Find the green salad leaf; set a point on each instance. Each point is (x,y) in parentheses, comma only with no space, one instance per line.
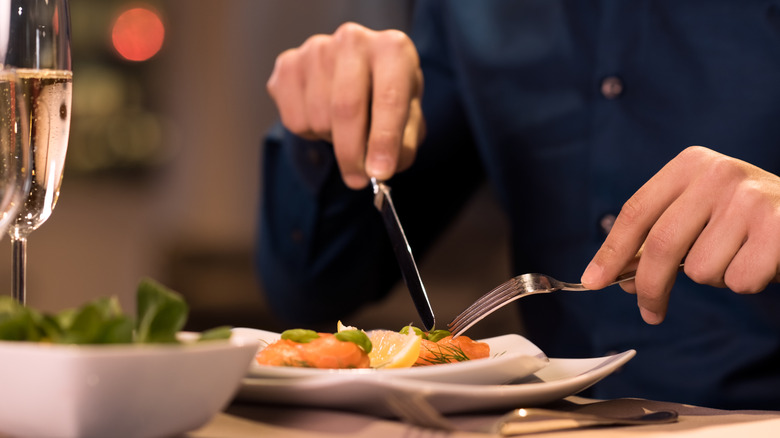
(160,314)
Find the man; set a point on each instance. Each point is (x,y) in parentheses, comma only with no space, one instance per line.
(568,109)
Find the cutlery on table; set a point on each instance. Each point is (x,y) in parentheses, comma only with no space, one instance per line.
(415,410)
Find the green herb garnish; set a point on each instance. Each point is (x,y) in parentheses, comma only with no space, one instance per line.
(436,335)
(433,335)
(301,336)
(358,337)
(446,354)
(417,331)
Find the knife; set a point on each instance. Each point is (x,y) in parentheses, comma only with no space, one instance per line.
(403,252)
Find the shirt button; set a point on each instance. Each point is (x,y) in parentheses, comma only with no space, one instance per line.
(296,235)
(606,223)
(611,87)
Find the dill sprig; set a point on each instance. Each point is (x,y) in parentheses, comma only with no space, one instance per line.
(445,354)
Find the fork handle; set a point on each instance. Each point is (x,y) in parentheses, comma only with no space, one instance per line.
(620,279)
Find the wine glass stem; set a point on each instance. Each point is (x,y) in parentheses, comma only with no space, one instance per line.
(19,248)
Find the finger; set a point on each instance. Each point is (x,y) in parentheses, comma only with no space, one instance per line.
(630,286)
(753,267)
(349,109)
(666,245)
(394,72)
(318,86)
(286,86)
(633,223)
(716,246)
(414,133)
(756,262)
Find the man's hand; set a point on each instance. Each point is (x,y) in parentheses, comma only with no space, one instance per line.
(718,214)
(359,89)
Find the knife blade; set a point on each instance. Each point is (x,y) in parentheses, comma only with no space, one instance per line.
(403,252)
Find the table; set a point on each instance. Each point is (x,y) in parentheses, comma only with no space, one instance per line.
(243,419)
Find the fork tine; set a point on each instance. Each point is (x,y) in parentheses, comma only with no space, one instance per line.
(476,317)
(499,293)
(488,303)
(508,287)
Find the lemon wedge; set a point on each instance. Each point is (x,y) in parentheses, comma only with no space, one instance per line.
(392,349)
(341,327)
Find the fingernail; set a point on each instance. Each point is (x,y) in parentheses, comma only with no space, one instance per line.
(650,317)
(592,274)
(380,167)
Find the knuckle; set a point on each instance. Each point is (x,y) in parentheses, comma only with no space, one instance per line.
(351,33)
(693,151)
(346,106)
(724,169)
(385,139)
(702,273)
(608,250)
(742,286)
(283,68)
(632,211)
(388,97)
(661,242)
(317,49)
(650,296)
(395,41)
(742,282)
(696,154)
(751,196)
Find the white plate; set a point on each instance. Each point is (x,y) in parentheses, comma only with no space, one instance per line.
(559,379)
(511,357)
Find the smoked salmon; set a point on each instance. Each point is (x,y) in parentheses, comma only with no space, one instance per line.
(326,351)
(448,350)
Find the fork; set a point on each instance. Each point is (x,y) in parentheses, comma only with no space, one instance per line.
(514,289)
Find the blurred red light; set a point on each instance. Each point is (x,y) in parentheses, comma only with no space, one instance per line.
(138,34)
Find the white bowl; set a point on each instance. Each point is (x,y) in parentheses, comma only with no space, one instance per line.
(117,390)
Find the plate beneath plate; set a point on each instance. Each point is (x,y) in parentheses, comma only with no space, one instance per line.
(511,357)
(367,393)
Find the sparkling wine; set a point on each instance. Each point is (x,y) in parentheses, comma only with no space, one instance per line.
(13,166)
(49,95)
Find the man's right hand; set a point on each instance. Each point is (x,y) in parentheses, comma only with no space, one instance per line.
(358,89)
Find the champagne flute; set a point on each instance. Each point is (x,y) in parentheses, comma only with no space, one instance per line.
(38,48)
(14,150)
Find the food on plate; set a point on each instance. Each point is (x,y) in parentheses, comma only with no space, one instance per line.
(448,350)
(353,348)
(160,315)
(393,349)
(314,350)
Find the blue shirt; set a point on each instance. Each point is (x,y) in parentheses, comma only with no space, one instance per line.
(566,108)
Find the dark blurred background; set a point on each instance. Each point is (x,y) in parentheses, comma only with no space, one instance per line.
(162,176)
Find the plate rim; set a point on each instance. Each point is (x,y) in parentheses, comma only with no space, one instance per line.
(447,397)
